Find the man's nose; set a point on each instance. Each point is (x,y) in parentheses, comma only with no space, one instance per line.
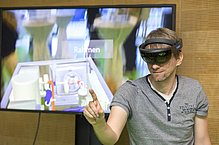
(155,66)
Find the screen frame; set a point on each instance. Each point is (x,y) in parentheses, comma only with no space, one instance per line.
(173,6)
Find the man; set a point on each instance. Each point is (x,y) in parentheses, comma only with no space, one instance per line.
(162,108)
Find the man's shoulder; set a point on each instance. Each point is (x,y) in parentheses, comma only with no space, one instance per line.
(137,82)
(190,82)
(184,78)
(131,85)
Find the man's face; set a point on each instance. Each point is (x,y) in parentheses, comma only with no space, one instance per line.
(161,72)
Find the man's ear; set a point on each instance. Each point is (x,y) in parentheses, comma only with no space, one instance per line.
(179,59)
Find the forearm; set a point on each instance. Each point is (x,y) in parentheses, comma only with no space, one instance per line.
(105,134)
(201,131)
(203,142)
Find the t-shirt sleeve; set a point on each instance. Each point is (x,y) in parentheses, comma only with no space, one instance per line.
(123,96)
(202,103)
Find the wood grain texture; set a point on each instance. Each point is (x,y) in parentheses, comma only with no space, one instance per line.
(200,32)
(19,128)
(197,23)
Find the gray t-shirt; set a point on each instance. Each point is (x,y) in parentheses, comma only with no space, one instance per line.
(154,121)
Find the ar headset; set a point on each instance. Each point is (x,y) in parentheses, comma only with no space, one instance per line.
(159,55)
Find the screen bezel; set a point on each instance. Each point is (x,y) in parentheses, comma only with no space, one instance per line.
(173,6)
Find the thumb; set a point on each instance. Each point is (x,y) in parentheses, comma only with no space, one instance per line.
(101,113)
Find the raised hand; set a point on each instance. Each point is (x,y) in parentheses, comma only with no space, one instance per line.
(93,111)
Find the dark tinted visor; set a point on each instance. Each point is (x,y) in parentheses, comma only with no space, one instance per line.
(159,55)
(157,58)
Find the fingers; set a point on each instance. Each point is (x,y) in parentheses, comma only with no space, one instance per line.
(88,113)
(93,110)
(95,99)
(93,118)
(93,94)
(93,114)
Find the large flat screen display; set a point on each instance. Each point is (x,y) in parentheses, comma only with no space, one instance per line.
(62,52)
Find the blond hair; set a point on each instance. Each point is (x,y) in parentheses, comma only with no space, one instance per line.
(166,34)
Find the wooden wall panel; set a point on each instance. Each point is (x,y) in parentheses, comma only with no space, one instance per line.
(25,3)
(199,15)
(200,32)
(197,22)
(56,129)
(19,128)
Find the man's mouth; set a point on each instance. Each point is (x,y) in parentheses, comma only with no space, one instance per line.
(157,72)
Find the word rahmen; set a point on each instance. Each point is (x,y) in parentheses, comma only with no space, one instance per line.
(87,50)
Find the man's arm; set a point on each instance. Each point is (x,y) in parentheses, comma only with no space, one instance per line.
(107,132)
(201,131)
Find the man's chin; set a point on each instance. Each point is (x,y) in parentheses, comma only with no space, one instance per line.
(158,78)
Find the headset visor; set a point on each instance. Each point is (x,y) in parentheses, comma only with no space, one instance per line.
(159,55)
